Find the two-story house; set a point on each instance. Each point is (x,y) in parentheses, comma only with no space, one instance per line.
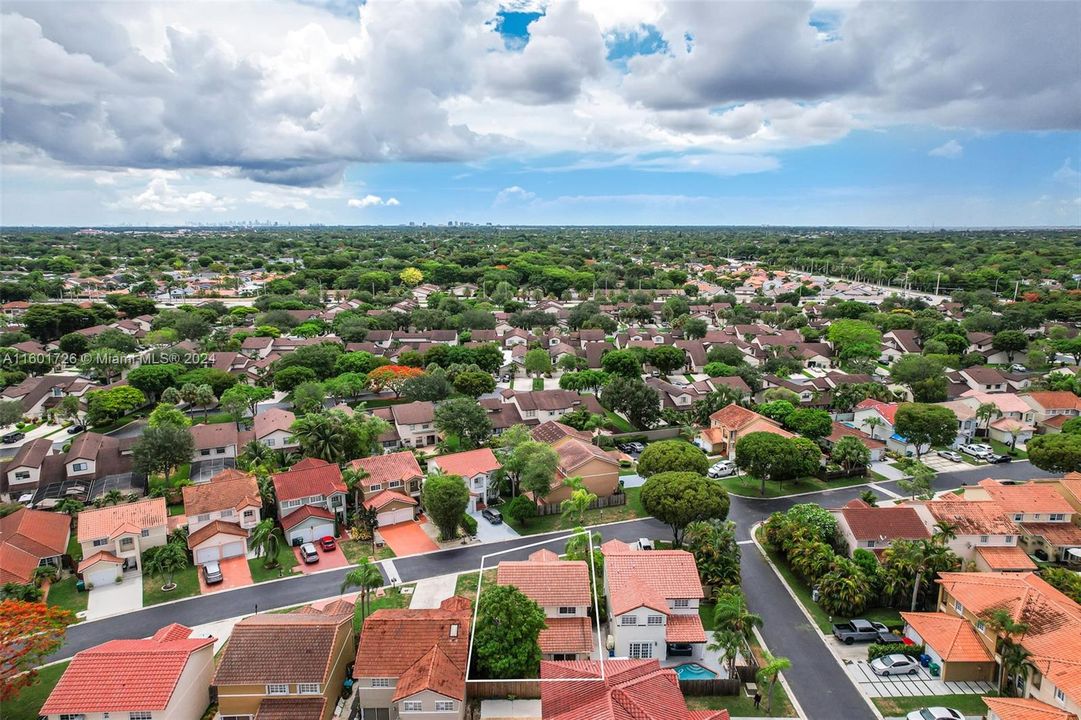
(218,441)
(30,539)
(984,379)
(91,456)
(1046,517)
(477,469)
(221,515)
(537,406)
(876,528)
(1015,420)
(412,663)
(271,427)
(562,589)
(114,537)
(413,425)
(392,485)
(38,394)
(897,343)
(164,677)
(1053,408)
(311,500)
(286,665)
(984,534)
(729,424)
(653,599)
(576,458)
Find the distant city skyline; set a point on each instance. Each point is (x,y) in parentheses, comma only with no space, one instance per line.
(830,113)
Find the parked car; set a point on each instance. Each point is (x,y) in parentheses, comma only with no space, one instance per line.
(645,544)
(308,553)
(12,437)
(327,543)
(492,515)
(76,429)
(722,468)
(637,446)
(859,630)
(895,664)
(950,455)
(212,573)
(625,447)
(1018,368)
(935,713)
(978,451)
(999,459)
(680,649)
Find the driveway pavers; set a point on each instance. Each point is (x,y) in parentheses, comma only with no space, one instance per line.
(235,573)
(328,560)
(407,538)
(920,684)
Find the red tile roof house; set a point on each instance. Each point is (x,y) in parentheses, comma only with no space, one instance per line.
(221,515)
(29,539)
(165,676)
(986,535)
(638,689)
(476,468)
(729,424)
(1045,516)
(392,486)
(653,599)
(561,588)
(311,500)
(413,662)
(114,538)
(271,427)
(875,528)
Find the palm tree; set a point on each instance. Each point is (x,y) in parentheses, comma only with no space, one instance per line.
(1015,663)
(367,577)
(769,673)
(113,497)
(189,393)
(731,614)
(267,539)
(172,396)
(354,477)
(70,507)
(581,498)
(729,644)
(944,532)
(873,422)
(367,518)
(255,453)
(266,490)
(320,436)
(987,412)
(204,398)
(1003,624)
(43,573)
(170,559)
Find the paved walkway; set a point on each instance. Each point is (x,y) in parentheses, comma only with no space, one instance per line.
(429,592)
(887,471)
(632,481)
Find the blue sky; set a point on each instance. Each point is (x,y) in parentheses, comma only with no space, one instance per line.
(644,112)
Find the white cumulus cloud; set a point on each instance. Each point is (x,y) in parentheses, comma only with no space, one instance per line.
(951,149)
(372,201)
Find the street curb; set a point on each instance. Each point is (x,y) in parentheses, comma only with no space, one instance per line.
(809,492)
(784,682)
(810,619)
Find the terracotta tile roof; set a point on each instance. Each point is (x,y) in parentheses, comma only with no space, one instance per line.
(304,512)
(382,469)
(223,492)
(631,689)
(732,417)
(1031,497)
(100,556)
(385,497)
(280,648)
(209,530)
(1056,533)
(613,546)
(1054,400)
(551,431)
(272,420)
(650,578)
(575,453)
(27,536)
(550,583)
(125,675)
(884,523)
(567,635)
(886,410)
(309,477)
(973,517)
(104,522)
(434,671)
(952,637)
(1008,557)
(469,463)
(291,708)
(1007,708)
(684,629)
(840,430)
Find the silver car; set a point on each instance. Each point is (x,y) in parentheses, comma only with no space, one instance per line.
(212,573)
(950,455)
(895,664)
(935,713)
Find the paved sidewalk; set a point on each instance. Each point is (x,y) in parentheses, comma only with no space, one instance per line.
(885,470)
(429,592)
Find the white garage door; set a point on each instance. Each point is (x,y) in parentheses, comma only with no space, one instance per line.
(395,516)
(100,575)
(310,534)
(207,554)
(233,549)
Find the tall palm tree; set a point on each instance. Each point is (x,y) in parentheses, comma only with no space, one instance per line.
(1015,662)
(354,477)
(171,396)
(267,539)
(189,394)
(731,614)
(70,507)
(367,577)
(204,398)
(113,497)
(581,498)
(987,412)
(729,644)
(944,532)
(170,559)
(255,453)
(873,423)
(320,436)
(769,673)
(1006,628)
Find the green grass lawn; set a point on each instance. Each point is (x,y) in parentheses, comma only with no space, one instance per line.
(357,550)
(286,562)
(466,586)
(175,510)
(900,706)
(218,418)
(187,585)
(393,599)
(179,475)
(618,423)
(538,383)
(628,471)
(887,616)
(63,594)
(382,403)
(752,486)
(549,523)
(28,702)
(743,706)
(705,612)
(75,550)
(1004,449)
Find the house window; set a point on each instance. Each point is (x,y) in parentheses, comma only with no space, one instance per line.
(309,688)
(395,483)
(564,610)
(640,651)
(412,706)
(628,620)
(1018,517)
(127,543)
(1036,516)
(1056,517)
(100,542)
(270,442)
(655,620)
(205,453)
(958,607)
(78,467)
(277,689)
(444,706)
(983,539)
(681,603)
(376,488)
(144,533)
(219,451)
(980,626)
(380,682)
(236,717)
(249,514)
(204,517)
(226,513)
(870,543)
(73,717)
(1060,696)
(141,715)
(1009,539)
(22,475)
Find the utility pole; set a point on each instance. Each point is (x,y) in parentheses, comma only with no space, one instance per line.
(937,278)
(1016,287)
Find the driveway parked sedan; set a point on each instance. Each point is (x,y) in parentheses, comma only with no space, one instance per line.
(308,553)
(950,455)
(327,543)
(935,713)
(896,664)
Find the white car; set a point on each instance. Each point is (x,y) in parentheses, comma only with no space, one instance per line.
(935,713)
(722,468)
(895,664)
(979,451)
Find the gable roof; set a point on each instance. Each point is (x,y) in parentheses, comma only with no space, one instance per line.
(548,582)
(233,492)
(733,417)
(1030,497)
(214,528)
(575,453)
(649,579)
(469,463)
(887,410)
(952,637)
(272,420)
(1009,708)
(884,523)
(280,648)
(304,512)
(117,519)
(125,675)
(385,497)
(294,708)
(27,536)
(382,469)
(308,477)
(551,430)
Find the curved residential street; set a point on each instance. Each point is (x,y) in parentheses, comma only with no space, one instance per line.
(821,686)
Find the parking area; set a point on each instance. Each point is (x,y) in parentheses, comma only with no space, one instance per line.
(235,572)
(328,560)
(941,464)
(408,538)
(919,684)
(116,599)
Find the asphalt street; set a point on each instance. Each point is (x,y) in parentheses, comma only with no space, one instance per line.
(821,686)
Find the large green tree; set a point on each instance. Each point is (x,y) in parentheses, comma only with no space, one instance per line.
(681,498)
(925,425)
(672,456)
(445,498)
(505,637)
(1059,453)
(162,449)
(637,401)
(465,419)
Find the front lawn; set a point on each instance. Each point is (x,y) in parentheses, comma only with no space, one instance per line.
(187,585)
(27,704)
(393,599)
(743,706)
(63,594)
(175,510)
(752,486)
(1004,449)
(286,562)
(357,550)
(900,706)
(538,384)
(466,585)
(617,423)
(628,511)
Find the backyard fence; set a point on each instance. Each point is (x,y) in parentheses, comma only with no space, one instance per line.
(713,686)
(601,502)
(502,689)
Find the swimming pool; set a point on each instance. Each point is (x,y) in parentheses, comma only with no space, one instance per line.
(694,671)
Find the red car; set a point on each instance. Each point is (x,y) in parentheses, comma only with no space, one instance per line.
(327,543)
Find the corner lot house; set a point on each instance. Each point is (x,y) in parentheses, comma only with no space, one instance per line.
(113,538)
(221,515)
(476,468)
(411,663)
(875,528)
(286,665)
(30,539)
(561,588)
(166,676)
(729,424)
(311,500)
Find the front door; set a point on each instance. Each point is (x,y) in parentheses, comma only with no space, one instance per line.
(640,651)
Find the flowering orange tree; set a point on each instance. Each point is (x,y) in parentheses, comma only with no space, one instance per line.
(29,632)
(392,377)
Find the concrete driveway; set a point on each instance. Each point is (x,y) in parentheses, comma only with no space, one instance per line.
(941,464)
(429,592)
(487,532)
(116,599)
(632,481)
(407,538)
(235,572)
(920,684)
